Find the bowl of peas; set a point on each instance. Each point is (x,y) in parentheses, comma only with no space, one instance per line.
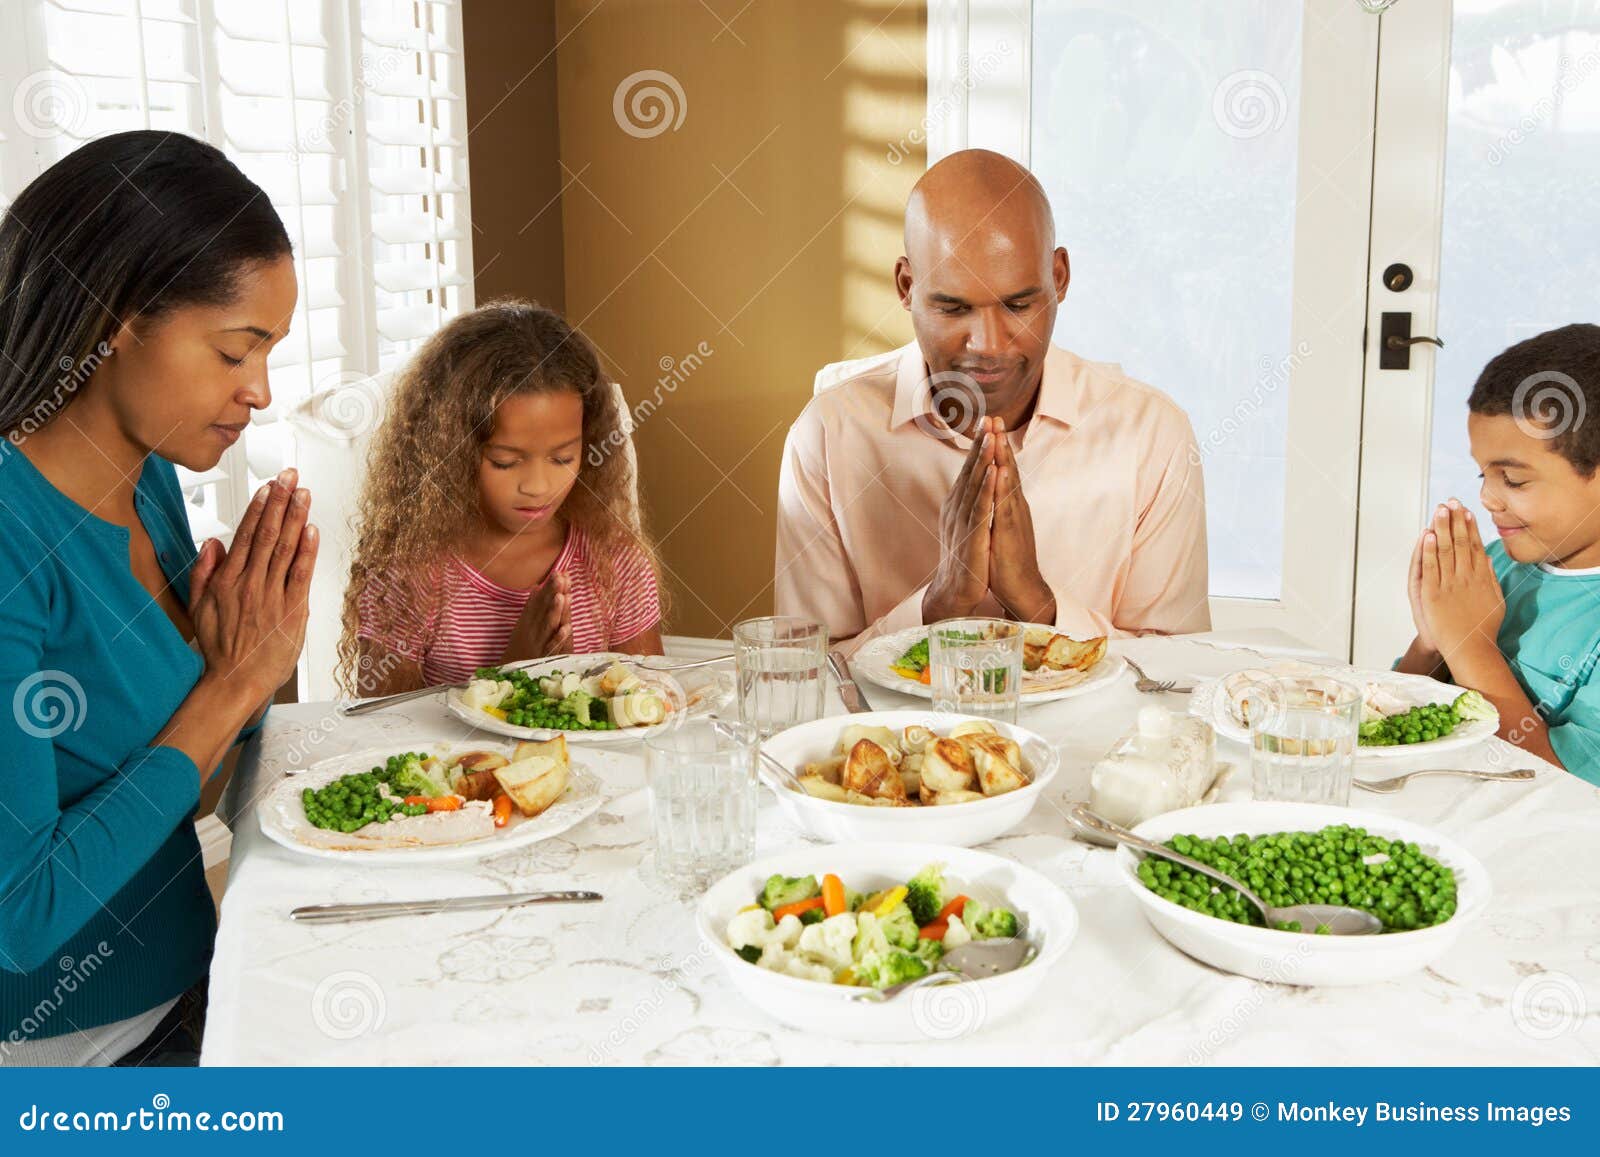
(1422,886)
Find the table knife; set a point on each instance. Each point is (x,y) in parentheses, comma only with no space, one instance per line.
(854,701)
(337,913)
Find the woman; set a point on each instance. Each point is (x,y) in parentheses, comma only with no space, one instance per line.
(143,280)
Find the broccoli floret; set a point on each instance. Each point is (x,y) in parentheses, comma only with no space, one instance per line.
(930,951)
(1472,706)
(813,916)
(925,893)
(899,928)
(915,657)
(750,952)
(987,923)
(577,705)
(406,776)
(881,969)
(781,890)
(852,899)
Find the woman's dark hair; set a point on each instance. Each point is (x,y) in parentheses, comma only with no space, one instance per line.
(129,226)
(1550,384)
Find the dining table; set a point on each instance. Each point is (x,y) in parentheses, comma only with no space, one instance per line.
(628,980)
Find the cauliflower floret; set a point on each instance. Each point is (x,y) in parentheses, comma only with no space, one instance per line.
(752,927)
(829,942)
(787,933)
(956,934)
(481,693)
(776,958)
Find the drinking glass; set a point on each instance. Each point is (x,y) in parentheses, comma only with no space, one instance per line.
(702,802)
(1303,735)
(975,667)
(780,664)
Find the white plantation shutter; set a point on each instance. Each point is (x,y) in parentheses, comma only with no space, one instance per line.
(351,114)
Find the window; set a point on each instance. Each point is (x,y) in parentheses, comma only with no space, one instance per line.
(351,116)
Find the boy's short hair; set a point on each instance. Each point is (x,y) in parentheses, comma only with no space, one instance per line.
(1549,384)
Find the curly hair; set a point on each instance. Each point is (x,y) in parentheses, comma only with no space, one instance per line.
(422,468)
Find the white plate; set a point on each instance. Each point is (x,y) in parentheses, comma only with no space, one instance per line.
(664,682)
(282,816)
(961,824)
(1046,915)
(1210,703)
(875,663)
(1294,957)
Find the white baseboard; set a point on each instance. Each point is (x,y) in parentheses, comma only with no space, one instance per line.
(215,840)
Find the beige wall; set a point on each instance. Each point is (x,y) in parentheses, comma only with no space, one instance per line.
(764,226)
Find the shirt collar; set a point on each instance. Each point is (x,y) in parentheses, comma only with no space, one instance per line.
(913,400)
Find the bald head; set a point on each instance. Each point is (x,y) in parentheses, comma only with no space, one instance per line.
(976,193)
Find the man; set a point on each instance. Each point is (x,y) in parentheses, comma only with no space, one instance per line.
(981,470)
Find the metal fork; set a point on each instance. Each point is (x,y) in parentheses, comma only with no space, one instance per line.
(1522,774)
(1154,686)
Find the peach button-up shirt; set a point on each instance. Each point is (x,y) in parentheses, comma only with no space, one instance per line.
(1109,467)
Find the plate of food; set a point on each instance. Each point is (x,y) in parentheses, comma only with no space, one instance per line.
(809,935)
(429,801)
(1422,886)
(902,776)
(1053,665)
(1401,715)
(541,699)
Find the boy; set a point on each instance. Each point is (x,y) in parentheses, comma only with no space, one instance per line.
(1520,621)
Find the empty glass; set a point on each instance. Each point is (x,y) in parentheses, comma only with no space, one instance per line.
(780,669)
(975,667)
(1303,734)
(702,802)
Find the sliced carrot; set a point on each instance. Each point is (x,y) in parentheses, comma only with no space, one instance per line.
(926,677)
(934,931)
(435,803)
(796,908)
(833,901)
(951,909)
(502,809)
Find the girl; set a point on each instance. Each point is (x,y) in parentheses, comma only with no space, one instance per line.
(143,280)
(498,519)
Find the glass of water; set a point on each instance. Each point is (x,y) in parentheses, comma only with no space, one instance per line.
(702,802)
(1303,735)
(975,667)
(780,671)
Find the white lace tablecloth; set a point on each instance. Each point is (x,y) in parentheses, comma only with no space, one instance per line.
(627,981)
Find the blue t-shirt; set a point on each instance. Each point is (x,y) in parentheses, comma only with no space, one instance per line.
(1551,638)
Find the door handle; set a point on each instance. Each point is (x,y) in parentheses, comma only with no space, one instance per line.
(1394,334)
(1395,342)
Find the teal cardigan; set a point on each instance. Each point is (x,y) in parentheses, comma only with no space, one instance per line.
(104,910)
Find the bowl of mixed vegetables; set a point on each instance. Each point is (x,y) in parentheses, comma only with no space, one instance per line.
(807,934)
(1423,887)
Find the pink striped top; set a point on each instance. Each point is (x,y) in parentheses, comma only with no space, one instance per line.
(472,622)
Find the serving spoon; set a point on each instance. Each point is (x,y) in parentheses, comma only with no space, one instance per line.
(1338,920)
(978,960)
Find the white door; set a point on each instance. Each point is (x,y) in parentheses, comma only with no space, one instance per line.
(1210,166)
(1487,164)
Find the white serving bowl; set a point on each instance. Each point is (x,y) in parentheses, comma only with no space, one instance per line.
(961,824)
(1303,958)
(1046,915)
